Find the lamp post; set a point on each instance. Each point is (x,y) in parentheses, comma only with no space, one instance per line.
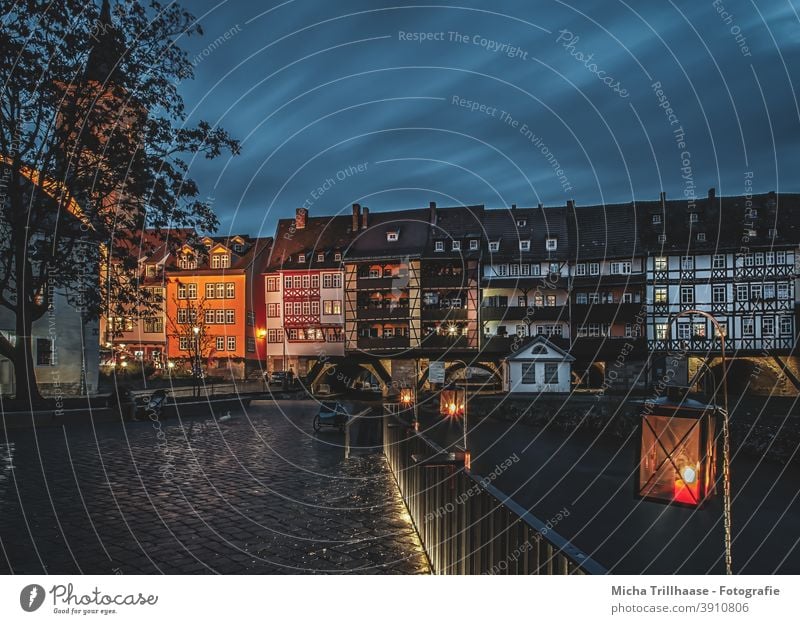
(449,406)
(196,331)
(726,445)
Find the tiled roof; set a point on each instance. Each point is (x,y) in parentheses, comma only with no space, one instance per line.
(326,235)
(609,231)
(512,226)
(412,235)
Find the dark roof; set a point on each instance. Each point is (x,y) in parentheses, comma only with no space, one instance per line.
(326,235)
(412,227)
(461,223)
(510,227)
(609,231)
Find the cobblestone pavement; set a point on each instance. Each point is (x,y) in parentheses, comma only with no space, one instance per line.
(254,493)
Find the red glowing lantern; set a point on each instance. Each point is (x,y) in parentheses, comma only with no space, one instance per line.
(452,403)
(677,461)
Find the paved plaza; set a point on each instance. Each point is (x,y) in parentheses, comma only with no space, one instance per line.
(254,492)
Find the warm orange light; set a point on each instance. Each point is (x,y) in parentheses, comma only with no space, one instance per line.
(467,460)
(262,333)
(406,396)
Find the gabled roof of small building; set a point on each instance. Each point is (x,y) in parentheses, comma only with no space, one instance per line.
(524,354)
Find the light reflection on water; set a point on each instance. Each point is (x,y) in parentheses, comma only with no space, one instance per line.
(6,465)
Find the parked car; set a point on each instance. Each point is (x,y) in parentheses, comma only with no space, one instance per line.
(331,414)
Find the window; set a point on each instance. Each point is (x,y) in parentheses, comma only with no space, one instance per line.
(153,325)
(273,310)
(554,268)
(780,257)
(699,329)
(513,270)
(529,372)
(306,308)
(551,372)
(274,335)
(580,269)
(783,290)
(208,316)
(594,268)
(627,297)
(231,343)
(786,325)
(748,260)
(183,343)
(701,237)
(332,306)
(315,308)
(219,316)
(687,294)
(756,292)
(44,352)
(456,245)
(522,222)
(337,257)
(620,268)
(742,292)
(494,245)
(767,326)
(392,236)
(238,248)
(722,330)
(551,244)
(693,217)
(473,244)
(251,318)
(759,259)
(769,258)
(656,219)
(718,261)
(181,291)
(687,263)
(251,344)
(594,297)
(297,281)
(191,291)
(769,291)
(660,263)
(220,261)
(718,294)
(301,258)
(439,245)
(315,281)
(187,261)
(551,300)
(660,294)
(661,331)
(581,299)
(662,238)
(220,343)
(320,257)
(684,330)
(306,281)
(220,290)
(331,280)
(287,282)
(183,316)
(230,317)
(748,326)
(230,290)
(524,245)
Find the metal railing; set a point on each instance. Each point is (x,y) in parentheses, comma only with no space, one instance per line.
(466,525)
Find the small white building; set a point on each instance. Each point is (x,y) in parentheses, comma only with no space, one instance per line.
(539,366)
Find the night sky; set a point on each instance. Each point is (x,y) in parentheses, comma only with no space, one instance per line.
(340,102)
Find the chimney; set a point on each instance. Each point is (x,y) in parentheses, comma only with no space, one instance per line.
(364,218)
(712,192)
(570,204)
(540,204)
(513,206)
(356,217)
(300,217)
(432,208)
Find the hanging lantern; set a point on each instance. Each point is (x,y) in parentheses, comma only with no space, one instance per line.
(406,396)
(451,403)
(677,459)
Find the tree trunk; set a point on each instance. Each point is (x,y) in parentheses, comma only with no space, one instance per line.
(24,372)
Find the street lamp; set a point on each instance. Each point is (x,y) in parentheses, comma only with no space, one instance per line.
(196,331)
(453,403)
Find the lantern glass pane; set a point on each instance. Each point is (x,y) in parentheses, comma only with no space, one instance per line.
(671,461)
(451,403)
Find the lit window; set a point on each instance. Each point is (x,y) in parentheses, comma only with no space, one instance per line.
(231,343)
(661,263)
(661,331)
(661,294)
(220,343)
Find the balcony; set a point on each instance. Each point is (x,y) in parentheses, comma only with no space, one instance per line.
(585,281)
(436,341)
(381,344)
(395,282)
(605,311)
(443,314)
(378,313)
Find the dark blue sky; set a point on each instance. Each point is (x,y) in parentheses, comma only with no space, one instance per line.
(315,89)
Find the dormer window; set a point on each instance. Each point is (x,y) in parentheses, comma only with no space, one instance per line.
(392,236)
(701,237)
(494,245)
(656,219)
(320,257)
(473,244)
(337,257)
(772,233)
(752,213)
(439,246)
(693,217)
(301,258)
(187,261)
(662,238)
(524,245)
(456,245)
(551,244)
(220,261)
(150,270)
(522,222)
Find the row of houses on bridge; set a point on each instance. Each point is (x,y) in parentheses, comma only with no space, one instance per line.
(372,297)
